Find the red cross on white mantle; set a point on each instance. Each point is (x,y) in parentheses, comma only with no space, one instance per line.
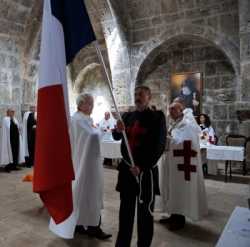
(187,154)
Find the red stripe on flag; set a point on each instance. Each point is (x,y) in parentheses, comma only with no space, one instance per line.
(53,171)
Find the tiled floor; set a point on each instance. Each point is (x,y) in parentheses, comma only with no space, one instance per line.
(23,223)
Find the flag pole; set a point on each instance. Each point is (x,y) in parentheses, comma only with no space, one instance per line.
(100,56)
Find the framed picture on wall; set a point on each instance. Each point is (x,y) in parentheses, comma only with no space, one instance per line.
(188,87)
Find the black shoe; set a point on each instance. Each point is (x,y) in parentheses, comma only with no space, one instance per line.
(98,233)
(108,164)
(16,168)
(7,169)
(174,226)
(165,220)
(177,222)
(81,230)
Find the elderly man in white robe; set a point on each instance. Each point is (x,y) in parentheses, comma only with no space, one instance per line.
(88,184)
(12,152)
(106,125)
(182,183)
(188,114)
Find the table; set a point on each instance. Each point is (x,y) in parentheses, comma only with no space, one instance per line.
(237,229)
(111,149)
(223,153)
(215,152)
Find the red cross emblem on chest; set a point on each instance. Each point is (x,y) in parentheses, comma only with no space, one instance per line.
(135,133)
(187,153)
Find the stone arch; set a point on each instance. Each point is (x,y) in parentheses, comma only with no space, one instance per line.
(91,80)
(30,55)
(190,31)
(90,74)
(32,32)
(219,100)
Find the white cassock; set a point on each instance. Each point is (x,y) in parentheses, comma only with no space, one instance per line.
(106,126)
(25,136)
(6,152)
(183,192)
(88,184)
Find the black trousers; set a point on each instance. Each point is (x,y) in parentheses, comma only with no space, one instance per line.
(14,143)
(31,146)
(145,221)
(15,152)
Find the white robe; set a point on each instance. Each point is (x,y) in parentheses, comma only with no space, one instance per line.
(180,196)
(106,127)
(88,184)
(209,134)
(6,152)
(25,137)
(189,116)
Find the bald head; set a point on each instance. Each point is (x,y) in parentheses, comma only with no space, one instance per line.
(181,101)
(10,112)
(176,110)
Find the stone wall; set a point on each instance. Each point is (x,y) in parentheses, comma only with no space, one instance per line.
(244,88)
(133,36)
(13,21)
(115,26)
(245,49)
(10,79)
(30,76)
(219,80)
(171,21)
(149,18)
(31,55)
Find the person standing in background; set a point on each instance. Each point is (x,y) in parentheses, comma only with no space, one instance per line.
(12,152)
(29,132)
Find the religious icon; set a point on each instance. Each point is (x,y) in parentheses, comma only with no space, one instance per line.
(188,87)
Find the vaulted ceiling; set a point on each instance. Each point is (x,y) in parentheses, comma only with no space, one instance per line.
(21,19)
(14,16)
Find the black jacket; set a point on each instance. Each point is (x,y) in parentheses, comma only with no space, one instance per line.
(31,131)
(146,132)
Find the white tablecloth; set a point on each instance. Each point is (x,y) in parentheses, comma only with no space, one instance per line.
(215,153)
(225,153)
(111,149)
(237,230)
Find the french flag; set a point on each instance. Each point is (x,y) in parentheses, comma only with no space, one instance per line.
(66,29)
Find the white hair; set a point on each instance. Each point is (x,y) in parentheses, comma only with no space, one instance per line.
(83,98)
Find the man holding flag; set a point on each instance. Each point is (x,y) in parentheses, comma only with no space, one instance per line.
(146,131)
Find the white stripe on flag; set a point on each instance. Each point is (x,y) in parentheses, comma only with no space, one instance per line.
(52,69)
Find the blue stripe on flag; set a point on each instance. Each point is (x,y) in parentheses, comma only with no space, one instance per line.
(77,27)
